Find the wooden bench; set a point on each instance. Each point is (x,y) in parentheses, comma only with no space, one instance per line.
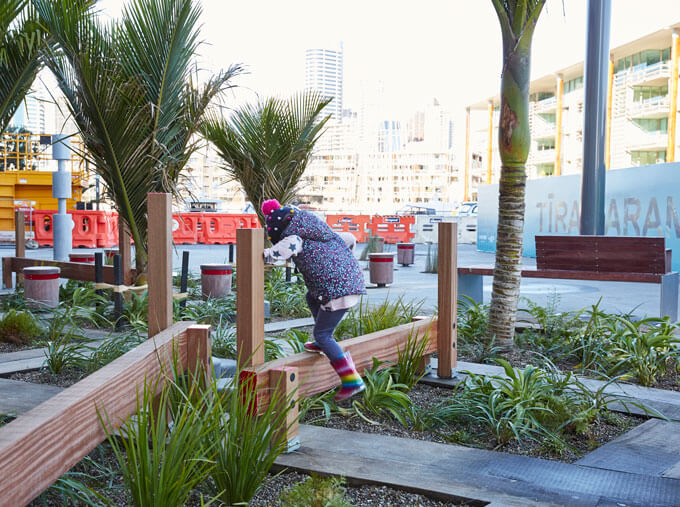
(600,258)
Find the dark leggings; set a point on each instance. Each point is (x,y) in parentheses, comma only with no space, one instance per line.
(324,325)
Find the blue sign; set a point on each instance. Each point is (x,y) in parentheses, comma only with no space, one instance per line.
(639,201)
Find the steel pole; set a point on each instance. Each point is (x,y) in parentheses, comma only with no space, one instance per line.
(61,190)
(595,117)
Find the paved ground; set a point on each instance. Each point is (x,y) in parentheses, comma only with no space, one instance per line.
(412,283)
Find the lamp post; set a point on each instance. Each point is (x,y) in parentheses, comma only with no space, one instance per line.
(61,190)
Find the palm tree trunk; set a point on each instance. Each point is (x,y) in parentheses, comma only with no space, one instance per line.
(514,141)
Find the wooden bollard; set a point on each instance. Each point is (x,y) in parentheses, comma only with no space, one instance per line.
(381,268)
(83,257)
(215,280)
(41,286)
(405,253)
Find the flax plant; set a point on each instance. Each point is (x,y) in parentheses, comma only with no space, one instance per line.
(131,90)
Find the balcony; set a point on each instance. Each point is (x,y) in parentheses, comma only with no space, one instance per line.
(546,105)
(655,107)
(537,156)
(647,141)
(650,75)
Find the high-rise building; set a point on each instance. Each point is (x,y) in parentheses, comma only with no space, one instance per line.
(30,115)
(641,114)
(323,74)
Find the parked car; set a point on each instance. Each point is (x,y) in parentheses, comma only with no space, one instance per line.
(467,209)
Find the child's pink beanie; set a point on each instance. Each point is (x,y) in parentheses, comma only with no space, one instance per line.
(269,206)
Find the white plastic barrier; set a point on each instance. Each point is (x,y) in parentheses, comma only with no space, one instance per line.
(467,230)
(426,227)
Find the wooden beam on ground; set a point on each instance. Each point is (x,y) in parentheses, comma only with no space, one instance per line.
(44,443)
(19,239)
(125,251)
(250,297)
(315,372)
(160,262)
(447,299)
(285,381)
(70,270)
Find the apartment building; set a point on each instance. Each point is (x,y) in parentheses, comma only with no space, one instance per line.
(639,110)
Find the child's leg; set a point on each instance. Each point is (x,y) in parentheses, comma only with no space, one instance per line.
(313,305)
(326,322)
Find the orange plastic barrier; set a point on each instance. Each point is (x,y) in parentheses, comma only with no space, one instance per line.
(185,228)
(106,234)
(43,227)
(356,224)
(220,228)
(84,231)
(394,228)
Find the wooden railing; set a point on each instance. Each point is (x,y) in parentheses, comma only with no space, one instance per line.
(41,445)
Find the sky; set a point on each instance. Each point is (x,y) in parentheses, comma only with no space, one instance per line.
(444,49)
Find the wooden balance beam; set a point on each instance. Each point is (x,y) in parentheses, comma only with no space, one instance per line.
(307,373)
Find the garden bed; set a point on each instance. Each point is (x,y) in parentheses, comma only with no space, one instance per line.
(425,397)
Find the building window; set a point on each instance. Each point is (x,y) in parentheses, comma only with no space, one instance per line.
(647,157)
(645,93)
(652,125)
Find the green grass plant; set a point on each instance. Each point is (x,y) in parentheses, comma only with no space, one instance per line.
(19,327)
(364,319)
(286,299)
(211,311)
(432,259)
(224,339)
(370,247)
(316,491)
(248,442)
(383,396)
(296,338)
(110,349)
(164,451)
(408,369)
(528,403)
(63,354)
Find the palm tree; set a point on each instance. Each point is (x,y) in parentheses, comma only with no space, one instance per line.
(20,42)
(266,147)
(131,92)
(518,20)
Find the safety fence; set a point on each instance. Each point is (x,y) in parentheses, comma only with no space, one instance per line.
(393,228)
(99,229)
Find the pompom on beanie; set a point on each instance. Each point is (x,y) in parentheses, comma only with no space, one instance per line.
(277,219)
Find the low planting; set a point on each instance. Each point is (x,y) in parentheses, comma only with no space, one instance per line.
(286,299)
(19,328)
(589,342)
(316,491)
(364,318)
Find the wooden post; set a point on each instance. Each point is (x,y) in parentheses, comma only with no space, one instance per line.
(117,296)
(447,298)
(250,297)
(159,207)
(184,280)
(125,250)
(19,239)
(199,354)
(285,381)
(7,272)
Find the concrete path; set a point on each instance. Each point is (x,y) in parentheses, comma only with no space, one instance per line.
(457,472)
(17,397)
(285,325)
(411,283)
(666,403)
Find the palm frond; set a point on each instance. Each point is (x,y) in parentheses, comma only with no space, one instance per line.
(20,42)
(266,146)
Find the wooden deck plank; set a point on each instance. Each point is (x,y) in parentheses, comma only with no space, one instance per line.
(453,471)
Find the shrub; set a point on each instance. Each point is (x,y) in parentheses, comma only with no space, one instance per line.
(63,353)
(110,349)
(363,319)
(409,368)
(316,491)
(211,311)
(432,260)
(473,319)
(371,247)
(19,328)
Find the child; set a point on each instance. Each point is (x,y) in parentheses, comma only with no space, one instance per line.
(333,277)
